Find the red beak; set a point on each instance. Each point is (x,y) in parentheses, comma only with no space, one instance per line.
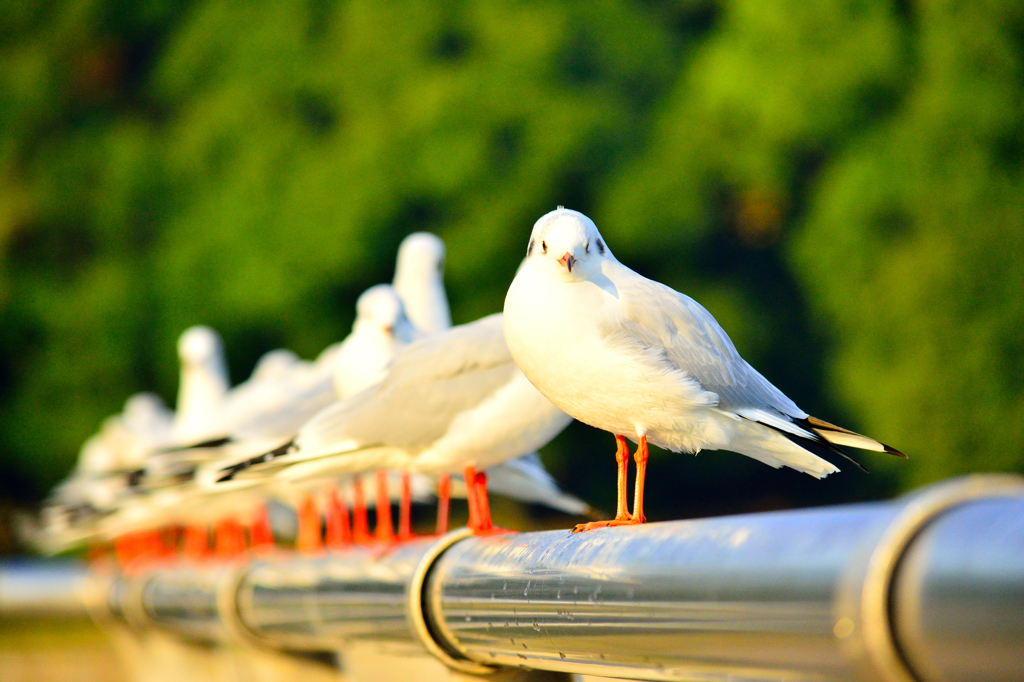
(567,260)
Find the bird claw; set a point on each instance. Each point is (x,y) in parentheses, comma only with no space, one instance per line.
(594,525)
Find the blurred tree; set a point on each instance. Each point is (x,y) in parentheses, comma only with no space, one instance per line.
(911,251)
(838,182)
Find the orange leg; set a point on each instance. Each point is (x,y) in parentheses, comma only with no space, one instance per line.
(640,456)
(229,540)
(309,541)
(483,503)
(261,536)
(360,526)
(168,542)
(469,474)
(405,509)
(385,531)
(444,496)
(149,545)
(123,548)
(622,515)
(196,544)
(339,534)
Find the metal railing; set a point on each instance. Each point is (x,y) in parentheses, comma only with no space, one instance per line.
(922,588)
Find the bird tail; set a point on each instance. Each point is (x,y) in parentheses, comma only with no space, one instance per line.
(802,432)
(837,435)
(777,448)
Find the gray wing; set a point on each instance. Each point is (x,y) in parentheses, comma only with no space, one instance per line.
(526,479)
(659,317)
(429,384)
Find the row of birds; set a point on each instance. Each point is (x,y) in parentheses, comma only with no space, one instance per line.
(415,402)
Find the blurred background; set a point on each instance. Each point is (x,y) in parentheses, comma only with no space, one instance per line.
(838,182)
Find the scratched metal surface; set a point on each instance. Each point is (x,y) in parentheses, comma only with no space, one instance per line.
(350,595)
(738,598)
(960,595)
(185,600)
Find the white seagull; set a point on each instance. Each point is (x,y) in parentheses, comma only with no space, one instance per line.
(453,401)
(634,357)
(419,281)
(380,330)
(203,386)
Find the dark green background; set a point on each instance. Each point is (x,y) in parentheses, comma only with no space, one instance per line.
(840,183)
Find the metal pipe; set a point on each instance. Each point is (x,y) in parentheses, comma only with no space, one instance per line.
(186,601)
(861,592)
(32,588)
(321,603)
(959,595)
(784,596)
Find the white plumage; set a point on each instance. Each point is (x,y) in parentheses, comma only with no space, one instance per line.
(452,399)
(203,386)
(629,355)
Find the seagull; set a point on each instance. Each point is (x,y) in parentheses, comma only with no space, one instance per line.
(419,281)
(634,357)
(106,473)
(381,330)
(454,400)
(203,386)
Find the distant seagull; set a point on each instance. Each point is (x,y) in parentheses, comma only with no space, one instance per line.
(419,281)
(105,475)
(203,386)
(453,401)
(631,356)
(381,329)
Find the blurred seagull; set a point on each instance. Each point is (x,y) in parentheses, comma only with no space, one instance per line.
(419,281)
(452,401)
(631,356)
(380,330)
(105,475)
(203,386)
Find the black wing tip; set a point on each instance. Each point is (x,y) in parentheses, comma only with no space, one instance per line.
(810,423)
(202,445)
(816,440)
(228,473)
(894,451)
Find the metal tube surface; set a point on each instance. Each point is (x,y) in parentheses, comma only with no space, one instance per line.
(783,596)
(924,588)
(959,595)
(185,600)
(33,588)
(321,603)
(740,598)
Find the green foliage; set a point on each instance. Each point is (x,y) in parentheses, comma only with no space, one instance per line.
(839,182)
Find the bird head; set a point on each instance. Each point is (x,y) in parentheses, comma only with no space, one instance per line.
(567,245)
(420,255)
(199,345)
(380,308)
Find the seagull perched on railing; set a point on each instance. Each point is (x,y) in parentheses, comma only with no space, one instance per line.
(453,401)
(631,356)
(419,281)
(203,386)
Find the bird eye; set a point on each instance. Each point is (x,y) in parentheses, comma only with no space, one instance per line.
(544,247)
(600,246)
